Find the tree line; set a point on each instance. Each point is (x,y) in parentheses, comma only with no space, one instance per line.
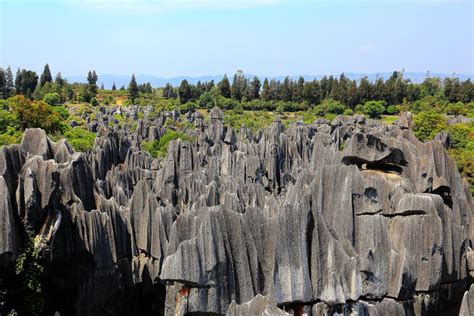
(395,90)
(29,84)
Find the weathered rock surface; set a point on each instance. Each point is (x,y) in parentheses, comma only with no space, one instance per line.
(342,217)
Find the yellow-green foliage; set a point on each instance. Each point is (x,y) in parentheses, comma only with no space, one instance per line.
(80,139)
(389,119)
(428,124)
(160,148)
(462,143)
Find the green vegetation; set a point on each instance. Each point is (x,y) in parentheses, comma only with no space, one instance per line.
(374,109)
(80,139)
(22,284)
(462,149)
(40,101)
(428,124)
(159,148)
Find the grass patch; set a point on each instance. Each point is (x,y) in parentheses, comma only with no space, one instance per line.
(389,119)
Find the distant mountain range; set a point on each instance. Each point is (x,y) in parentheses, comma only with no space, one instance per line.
(155,81)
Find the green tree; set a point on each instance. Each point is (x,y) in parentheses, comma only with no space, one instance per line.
(286,91)
(265,95)
(428,124)
(3,83)
(224,87)
(9,83)
(113,86)
(59,80)
(312,92)
(255,88)
(365,90)
(374,109)
(26,82)
(184,92)
(52,98)
(35,114)
(133,89)
(46,76)
(237,87)
(333,107)
(92,83)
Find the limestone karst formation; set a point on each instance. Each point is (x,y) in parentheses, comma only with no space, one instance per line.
(341,217)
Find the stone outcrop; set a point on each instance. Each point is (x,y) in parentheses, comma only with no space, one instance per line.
(341,217)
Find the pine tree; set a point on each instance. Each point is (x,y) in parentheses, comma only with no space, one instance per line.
(113,86)
(59,80)
(365,90)
(45,76)
(224,87)
(255,88)
(3,84)
(9,85)
(133,89)
(286,93)
(92,83)
(102,86)
(298,93)
(184,92)
(265,95)
(238,86)
(18,80)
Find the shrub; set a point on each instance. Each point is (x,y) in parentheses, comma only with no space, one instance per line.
(374,109)
(359,109)
(393,109)
(159,148)
(189,106)
(80,139)
(94,102)
(11,136)
(333,107)
(52,98)
(428,124)
(458,108)
(348,112)
(460,135)
(62,111)
(35,114)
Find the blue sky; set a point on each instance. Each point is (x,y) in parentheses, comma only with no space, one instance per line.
(265,37)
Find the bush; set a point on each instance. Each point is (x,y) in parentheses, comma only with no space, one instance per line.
(189,106)
(428,124)
(333,107)
(62,111)
(35,114)
(52,98)
(348,112)
(374,109)
(456,109)
(94,102)
(359,109)
(393,109)
(80,139)
(460,135)
(10,136)
(159,148)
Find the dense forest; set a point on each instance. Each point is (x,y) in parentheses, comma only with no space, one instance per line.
(32,100)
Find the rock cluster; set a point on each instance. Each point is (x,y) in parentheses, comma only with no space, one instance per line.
(341,217)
